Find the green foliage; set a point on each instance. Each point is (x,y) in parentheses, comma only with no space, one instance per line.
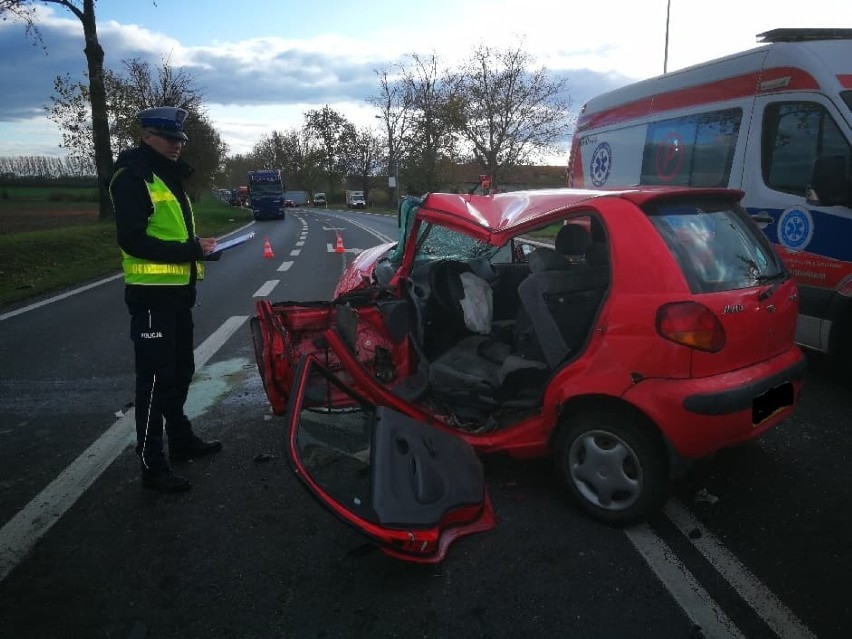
(46,261)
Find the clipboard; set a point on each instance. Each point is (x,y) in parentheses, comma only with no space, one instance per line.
(229,244)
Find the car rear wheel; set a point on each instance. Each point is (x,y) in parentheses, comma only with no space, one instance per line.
(612,466)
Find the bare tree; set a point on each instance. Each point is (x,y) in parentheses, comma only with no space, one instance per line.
(84,10)
(397,113)
(506,113)
(363,158)
(332,131)
(431,144)
(295,153)
(137,88)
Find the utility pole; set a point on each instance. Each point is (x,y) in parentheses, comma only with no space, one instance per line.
(666,56)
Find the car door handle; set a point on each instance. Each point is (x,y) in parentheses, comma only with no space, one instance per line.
(762,218)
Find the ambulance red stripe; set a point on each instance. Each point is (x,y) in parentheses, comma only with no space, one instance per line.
(777,79)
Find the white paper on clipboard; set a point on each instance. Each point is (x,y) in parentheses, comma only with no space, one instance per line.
(235,241)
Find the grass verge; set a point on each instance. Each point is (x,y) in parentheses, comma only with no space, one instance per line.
(35,263)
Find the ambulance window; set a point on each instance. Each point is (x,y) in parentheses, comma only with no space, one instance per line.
(695,150)
(847,98)
(794,135)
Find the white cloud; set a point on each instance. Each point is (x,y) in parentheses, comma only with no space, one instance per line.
(269,79)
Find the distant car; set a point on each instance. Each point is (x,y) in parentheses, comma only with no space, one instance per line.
(289,204)
(319,199)
(658,329)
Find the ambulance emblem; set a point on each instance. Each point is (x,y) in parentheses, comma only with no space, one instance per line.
(795,229)
(601,164)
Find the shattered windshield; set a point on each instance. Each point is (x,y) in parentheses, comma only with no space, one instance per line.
(439,242)
(435,241)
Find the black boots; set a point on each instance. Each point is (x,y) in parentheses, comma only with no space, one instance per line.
(158,476)
(195,447)
(164,480)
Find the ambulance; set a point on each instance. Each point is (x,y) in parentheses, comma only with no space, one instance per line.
(774,121)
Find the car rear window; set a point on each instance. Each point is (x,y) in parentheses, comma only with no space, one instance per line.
(716,245)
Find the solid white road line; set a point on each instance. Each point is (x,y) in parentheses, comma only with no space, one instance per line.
(56,298)
(381,236)
(86,287)
(266,289)
(22,532)
(767,606)
(690,596)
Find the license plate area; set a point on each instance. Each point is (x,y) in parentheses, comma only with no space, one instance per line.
(771,402)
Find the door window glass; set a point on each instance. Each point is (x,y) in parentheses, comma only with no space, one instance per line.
(333,441)
(794,135)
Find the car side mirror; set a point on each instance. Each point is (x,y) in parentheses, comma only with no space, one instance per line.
(830,182)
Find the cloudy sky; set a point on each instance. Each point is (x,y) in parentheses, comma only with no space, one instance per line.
(262,64)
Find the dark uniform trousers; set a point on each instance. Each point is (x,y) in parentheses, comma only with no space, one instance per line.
(165,364)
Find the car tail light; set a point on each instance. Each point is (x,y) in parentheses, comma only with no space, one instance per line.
(845,288)
(692,325)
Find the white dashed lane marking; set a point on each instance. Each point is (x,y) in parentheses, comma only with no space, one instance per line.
(266,289)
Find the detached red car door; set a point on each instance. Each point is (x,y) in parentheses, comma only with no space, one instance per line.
(409,487)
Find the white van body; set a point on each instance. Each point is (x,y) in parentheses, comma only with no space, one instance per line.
(355,199)
(756,121)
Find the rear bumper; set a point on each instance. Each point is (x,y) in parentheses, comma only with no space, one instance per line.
(700,416)
(734,400)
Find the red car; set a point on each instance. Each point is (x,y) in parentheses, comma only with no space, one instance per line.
(656,329)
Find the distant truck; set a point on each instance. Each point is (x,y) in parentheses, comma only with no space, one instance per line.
(298,198)
(355,199)
(266,194)
(319,199)
(239,196)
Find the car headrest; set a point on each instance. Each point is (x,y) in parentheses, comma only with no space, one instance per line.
(546,259)
(572,239)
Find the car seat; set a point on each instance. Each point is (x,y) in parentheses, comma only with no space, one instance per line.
(561,304)
(474,373)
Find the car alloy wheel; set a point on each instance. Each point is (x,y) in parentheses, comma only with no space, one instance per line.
(612,466)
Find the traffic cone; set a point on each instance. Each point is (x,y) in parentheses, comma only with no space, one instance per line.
(267,249)
(339,248)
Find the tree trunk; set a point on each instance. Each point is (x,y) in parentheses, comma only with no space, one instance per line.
(100,118)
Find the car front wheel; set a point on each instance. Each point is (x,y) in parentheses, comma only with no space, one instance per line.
(612,466)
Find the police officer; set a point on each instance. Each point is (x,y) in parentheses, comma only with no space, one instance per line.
(161,259)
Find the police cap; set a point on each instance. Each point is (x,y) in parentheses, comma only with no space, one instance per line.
(165,120)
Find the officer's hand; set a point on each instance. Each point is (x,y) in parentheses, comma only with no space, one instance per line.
(208,244)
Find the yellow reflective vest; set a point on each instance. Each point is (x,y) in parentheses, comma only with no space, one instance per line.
(166,223)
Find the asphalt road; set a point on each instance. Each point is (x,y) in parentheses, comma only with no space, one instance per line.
(754,543)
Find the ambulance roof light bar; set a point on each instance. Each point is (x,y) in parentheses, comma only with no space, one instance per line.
(804,35)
